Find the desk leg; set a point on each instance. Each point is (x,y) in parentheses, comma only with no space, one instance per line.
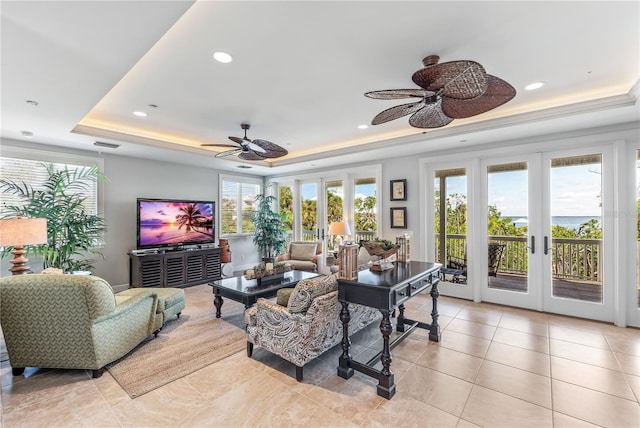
(217,302)
(434,331)
(344,370)
(400,323)
(386,385)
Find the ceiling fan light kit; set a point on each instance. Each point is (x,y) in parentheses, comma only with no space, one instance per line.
(449,90)
(251,150)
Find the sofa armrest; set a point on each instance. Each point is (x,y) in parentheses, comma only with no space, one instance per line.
(284,257)
(118,332)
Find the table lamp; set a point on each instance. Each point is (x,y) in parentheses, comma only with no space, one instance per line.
(17,232)
(339,228)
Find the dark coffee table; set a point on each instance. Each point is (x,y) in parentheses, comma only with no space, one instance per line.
(248,291)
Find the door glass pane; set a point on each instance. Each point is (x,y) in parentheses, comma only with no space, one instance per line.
(285,199)
(308,209)
(576,213)
(508,216)
(451,222)
(365,203)
(334,192)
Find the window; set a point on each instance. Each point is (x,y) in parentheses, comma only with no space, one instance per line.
(238,204)
(29,167)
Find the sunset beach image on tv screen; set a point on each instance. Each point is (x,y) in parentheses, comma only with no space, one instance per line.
(170,222)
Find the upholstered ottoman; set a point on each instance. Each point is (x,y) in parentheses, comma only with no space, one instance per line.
(170,302)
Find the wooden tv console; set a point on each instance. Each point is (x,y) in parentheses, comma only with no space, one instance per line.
(182,268)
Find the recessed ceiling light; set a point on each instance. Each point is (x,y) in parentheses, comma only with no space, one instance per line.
(222,57)
(533,86)
(140,113)
(363,126)
(27,134)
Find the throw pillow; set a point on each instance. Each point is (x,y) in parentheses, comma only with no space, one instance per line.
(303,251)
(283,295)
(308,289)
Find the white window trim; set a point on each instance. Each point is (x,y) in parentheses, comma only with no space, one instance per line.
(63,158)
(236,179)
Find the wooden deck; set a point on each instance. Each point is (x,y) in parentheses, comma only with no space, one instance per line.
(587,291)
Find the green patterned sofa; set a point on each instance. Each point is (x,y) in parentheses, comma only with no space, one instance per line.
(70,321)
(307,326)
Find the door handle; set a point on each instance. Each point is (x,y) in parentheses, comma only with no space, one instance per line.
(318,234)
(546,245)
(323,233)
(533,244)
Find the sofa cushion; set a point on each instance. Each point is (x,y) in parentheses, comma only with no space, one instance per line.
(303,251)
(283,295)
(308,289)
(302,265)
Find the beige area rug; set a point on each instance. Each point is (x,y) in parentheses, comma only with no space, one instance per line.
(183,346)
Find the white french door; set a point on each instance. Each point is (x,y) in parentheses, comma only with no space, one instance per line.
(555,250)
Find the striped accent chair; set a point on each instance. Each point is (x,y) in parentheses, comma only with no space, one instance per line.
(70,321)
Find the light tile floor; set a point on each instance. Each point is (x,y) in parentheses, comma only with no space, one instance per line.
(494,367)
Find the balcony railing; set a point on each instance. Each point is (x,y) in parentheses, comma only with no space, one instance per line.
(576,259)
(311,235)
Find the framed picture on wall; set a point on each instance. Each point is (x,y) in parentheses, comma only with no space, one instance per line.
(398,218)
(399,190)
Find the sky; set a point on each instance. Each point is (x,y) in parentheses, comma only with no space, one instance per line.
(574,191)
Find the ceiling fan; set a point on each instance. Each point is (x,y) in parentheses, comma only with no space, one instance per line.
(251,150)
(451,90)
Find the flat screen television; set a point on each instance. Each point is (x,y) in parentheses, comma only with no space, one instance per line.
(174,222)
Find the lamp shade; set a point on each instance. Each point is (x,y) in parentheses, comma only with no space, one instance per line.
(22,231)
(339,228)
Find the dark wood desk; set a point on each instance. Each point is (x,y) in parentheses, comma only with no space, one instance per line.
(248,291)
(387,291)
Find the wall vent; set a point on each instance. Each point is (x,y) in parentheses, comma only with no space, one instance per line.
(107,145)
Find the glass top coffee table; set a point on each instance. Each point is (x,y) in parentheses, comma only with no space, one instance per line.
(248,291)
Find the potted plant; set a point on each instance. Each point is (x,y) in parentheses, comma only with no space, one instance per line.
(269,236)
(72,232)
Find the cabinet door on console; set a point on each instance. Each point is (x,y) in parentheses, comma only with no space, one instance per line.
(174,270)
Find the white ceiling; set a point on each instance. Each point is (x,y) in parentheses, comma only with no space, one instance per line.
(299,73)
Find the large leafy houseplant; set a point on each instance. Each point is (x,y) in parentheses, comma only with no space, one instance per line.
(269,236)
(72,232)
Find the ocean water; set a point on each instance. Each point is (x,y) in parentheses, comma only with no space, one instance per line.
(570,222)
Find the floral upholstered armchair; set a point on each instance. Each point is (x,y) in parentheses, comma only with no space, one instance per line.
(306,325)
(70,321)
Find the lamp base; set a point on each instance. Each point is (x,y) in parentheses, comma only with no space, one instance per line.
(18,261)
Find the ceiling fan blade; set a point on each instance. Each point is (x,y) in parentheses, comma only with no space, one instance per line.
(394,94)
(431,116)
(228,153)
(217,145)
(397,112)
(498,92)
(256,148)
(249,155)
(271,150)
(455,79)
(238,140)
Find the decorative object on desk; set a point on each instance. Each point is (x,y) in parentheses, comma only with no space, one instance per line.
(399,218)
(404,247)
(339,229)
(71,229)
(269,236)
(348,261)
(382,248)
(398,190)
(17,232)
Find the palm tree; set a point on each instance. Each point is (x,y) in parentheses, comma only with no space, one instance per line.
(192,218)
